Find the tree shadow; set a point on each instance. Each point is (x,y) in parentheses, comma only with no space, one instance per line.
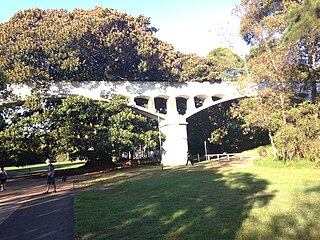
(300,221)
(41,217)
(173,204)
(313,190)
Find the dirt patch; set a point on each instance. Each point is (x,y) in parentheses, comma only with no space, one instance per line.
(221,165)
(228,165)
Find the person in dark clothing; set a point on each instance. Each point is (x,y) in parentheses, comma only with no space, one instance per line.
(189,159)
(50,177)
(3,179)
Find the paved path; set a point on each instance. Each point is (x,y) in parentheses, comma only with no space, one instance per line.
(26,213)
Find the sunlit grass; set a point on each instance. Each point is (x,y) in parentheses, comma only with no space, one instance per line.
(197,202)
(42,167)
(293,213)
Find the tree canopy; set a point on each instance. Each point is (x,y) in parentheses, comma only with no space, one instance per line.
(284,59)
(286,34)
(79,127)
(3,84)
(53,45)
(229,64)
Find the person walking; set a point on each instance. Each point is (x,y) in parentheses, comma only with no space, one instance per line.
(189,158)
(50,177)
(3,179)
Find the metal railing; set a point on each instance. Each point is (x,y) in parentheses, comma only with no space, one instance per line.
(228,156)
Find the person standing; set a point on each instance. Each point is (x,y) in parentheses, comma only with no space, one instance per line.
(3,179)
(189,158)
(50,177)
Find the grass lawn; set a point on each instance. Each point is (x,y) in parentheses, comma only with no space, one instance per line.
(200,202)
(42,167)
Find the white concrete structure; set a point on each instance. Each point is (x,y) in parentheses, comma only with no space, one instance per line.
(170,103)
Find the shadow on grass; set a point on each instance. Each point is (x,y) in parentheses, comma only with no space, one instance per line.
(313,190)
(300,221)
(188,203)
(42,217)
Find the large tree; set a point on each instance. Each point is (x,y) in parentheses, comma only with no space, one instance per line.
(303,19)
(229,64)
(97,131)
(279,61)
(79,127)
(299,138)
(39,45)
(25,137)
(289,28)
(53,45)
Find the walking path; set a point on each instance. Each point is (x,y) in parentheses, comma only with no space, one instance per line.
(26,213)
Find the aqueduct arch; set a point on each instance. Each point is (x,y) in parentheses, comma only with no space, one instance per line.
(170,103)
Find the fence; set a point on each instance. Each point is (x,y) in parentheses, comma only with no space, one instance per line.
(229,156)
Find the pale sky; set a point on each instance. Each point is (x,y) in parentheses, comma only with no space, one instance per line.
(191,26)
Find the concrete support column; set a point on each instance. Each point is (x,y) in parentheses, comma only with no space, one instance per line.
(131,101)
(151,104)
(190,104)
(172,106)
(175,147)
(208,101)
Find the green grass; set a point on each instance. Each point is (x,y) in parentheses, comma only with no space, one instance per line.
(200,203)
(270,162)
(255,151)
(42,167)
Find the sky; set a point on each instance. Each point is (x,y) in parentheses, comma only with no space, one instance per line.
(191,26)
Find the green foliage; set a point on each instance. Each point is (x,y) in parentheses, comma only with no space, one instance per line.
(223,132)
(82,128)
(25,137)
(285,36)
(129,131)
(80,45)
(47,45)
(303,31)
(229,64)
(95,131)
(3,84)
(2,120)
(217,135)
(264,111)
(299,138)
(194,68)
(303,21)
(295,130)
(276,163)
(261,20)
(285,56)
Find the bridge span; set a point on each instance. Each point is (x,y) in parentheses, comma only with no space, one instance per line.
(169,103)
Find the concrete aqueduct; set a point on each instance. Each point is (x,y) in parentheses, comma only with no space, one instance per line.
(169,103)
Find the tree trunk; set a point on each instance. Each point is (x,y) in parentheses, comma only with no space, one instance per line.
(282,101)
(274,151)
(312,76)
(100,160)
(313,90)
